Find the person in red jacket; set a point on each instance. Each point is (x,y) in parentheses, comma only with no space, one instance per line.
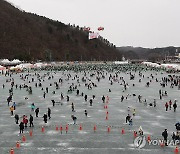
(25,121)
(166,105)
(170,104)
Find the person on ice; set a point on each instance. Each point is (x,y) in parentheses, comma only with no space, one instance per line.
(32,107)
(72,106)
(16,118)
(21,127)
(128,118)
(175,106)
(45,117)
(134,112)
(166,106)
(31,121)
(37,112)
(25,121)
(170,104)
(11,109)
(74,119)
(85,112)
(103,99)
(49,113)
(165,135)
(53,101)
(14,105)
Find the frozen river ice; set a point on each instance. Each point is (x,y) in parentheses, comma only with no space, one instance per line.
(152,119)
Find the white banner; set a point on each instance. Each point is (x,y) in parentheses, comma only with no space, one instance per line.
(93,35)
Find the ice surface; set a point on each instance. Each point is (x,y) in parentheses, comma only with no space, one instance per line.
(153,120)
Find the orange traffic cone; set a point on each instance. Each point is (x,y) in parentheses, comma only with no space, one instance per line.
(149,138)
(162,144)
(176,150)
(123,132)
(17,145)
(135,134)
(42,129)
(108,129)
(94,128)
(24,138)
(80,127)
(57,128)
(30,133)
(106,117)
(12,151)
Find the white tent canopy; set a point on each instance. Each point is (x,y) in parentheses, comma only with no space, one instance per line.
(121,62)
(167,66)
(5,61)
(25,65)
(16,61)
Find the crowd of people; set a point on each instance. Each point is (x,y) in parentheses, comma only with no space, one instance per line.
(35,79)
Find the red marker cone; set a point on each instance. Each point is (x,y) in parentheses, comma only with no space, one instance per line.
(23,138)
(107,112)
(135,134)
(66,128)
(94,128)
(42,129)
(106,106)
(106,117)
(17,145)
(57,128)
(30,133)
(176,150)
(123,132)
(149,138)
(80,127)
(162,144)
(108,129)
(12,151)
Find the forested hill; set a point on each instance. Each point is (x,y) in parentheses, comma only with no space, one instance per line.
(28,36)
(154,54)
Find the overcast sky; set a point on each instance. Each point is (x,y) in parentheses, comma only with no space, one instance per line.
(145,23)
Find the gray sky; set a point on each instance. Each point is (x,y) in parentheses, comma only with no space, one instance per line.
(145,23)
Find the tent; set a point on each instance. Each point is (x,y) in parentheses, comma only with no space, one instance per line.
(121,62)
(16,61)
(5,61)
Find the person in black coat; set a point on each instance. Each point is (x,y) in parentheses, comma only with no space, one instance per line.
(174,106)
(37,112)
(45,117)
(16,118)
(31,121)
(53,102)
(165,135)
(21,127)
(74,119)
(49,113)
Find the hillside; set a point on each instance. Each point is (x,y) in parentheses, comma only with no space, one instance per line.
(154,54)
(27,36)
